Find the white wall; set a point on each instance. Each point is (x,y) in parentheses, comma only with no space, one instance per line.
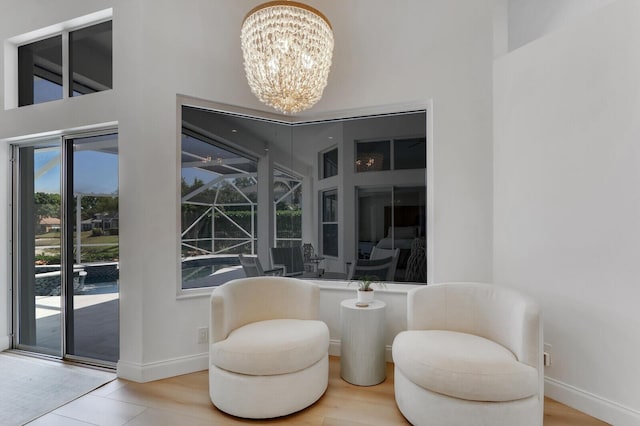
(529,20)
(567,203)
(408,52)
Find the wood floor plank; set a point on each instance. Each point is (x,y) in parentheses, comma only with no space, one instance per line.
(185,400)
(557,414)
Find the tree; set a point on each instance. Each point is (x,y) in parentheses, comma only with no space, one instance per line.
(107,205)
(92,205)
(46,205)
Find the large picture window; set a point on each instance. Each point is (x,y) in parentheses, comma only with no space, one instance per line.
(243,192)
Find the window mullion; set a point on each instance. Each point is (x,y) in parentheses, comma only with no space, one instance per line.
(66,73)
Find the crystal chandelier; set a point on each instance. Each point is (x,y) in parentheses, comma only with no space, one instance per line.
(287,48)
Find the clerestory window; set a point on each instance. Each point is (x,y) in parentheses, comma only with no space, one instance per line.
(68,64)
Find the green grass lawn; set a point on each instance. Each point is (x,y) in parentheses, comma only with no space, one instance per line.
(89,253)
(104,239)
(52,238)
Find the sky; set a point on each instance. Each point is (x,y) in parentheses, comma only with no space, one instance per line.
(94,172)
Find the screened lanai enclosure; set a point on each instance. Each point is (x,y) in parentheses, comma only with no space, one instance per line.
(219,201)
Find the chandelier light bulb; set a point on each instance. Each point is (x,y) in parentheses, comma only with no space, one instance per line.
(287,49)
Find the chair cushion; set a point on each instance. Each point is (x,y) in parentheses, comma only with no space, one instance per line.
(463,366)
(272,347)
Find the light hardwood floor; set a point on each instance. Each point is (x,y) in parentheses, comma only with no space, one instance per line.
(184,400)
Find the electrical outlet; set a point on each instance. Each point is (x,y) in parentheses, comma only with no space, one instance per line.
(547,355)
(203,335)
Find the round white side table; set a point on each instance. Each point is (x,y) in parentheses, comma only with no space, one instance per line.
(362,349)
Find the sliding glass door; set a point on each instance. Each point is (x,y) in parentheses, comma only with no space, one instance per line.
(91,240)
(66,256)
(39,248)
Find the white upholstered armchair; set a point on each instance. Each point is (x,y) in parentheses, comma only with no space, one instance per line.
(268,355)
(472,355)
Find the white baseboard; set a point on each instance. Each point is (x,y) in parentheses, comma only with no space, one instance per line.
(5,342)
(162,369)
(593,405)
(334,349)
(157,370)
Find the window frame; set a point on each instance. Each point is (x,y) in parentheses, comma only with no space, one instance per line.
(11,98)
(424,106)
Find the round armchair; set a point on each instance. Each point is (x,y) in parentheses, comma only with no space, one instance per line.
(472,355)
(269,353)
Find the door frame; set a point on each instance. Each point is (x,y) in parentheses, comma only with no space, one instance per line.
(66,244)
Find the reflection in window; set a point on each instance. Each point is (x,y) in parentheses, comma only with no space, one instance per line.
(40,71)
(330,163)
(373,156)
(410,153)
(287,192)
(330,223)
(392,218)
(219,208)
(90,59)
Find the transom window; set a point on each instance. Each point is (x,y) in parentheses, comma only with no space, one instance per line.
(87,56)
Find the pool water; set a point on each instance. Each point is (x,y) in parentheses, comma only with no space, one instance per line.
(195,269)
